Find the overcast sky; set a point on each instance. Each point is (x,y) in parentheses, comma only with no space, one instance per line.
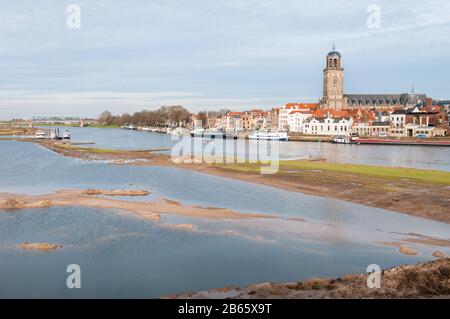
(204,54)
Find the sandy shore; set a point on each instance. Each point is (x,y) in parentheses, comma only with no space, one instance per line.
(116,192)
(148,210)
(426,280)
(40,246)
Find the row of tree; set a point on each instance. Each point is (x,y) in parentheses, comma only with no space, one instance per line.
(164,116)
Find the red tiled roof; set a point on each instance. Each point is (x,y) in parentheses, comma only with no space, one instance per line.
(304,111)
(310,106)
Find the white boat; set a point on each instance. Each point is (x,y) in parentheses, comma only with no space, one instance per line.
(341,140)
(270,136)
(213,134)
(40,135)
(198,132)
(129,127)
(179,131)
(66,135)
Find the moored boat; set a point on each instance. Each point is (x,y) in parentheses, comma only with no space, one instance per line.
(342,139)
(129,127)
(270,136)
(66,135)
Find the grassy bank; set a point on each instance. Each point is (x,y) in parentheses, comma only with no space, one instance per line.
(394,173)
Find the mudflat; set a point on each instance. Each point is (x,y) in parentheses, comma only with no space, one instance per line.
(148,210)
(421,193)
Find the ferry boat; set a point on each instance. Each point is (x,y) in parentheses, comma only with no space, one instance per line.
(66,135)
(211,134)
(270,136)
(340,139)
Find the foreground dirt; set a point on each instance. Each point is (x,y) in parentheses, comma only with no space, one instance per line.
(426,200)
(426,280)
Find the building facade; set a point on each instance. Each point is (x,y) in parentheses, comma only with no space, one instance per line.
(328,126)
(334,96)
(297,118)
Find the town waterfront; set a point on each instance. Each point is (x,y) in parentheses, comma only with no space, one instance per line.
(122,255)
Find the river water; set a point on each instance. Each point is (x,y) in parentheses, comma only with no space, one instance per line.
(128,257)
(424,157)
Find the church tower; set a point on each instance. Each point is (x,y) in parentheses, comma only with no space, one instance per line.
(333,82)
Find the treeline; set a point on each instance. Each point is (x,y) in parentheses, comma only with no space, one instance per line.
(164,116)
(173,116)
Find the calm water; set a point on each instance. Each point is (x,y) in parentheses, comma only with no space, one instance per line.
(125,256)
(416,157)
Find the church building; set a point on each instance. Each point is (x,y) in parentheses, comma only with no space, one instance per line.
(335,98)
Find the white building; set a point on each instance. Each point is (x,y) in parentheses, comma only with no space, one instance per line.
(283,124)
(283,117)
(233,122)
(398,119)
(297,118)
(328,126)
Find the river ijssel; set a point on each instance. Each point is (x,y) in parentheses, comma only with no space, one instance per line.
(125,256)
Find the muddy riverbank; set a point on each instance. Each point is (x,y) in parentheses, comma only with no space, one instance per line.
(420,193)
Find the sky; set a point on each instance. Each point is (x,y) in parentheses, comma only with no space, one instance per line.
(211,54)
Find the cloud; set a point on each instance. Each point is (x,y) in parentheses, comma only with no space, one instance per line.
(224,49)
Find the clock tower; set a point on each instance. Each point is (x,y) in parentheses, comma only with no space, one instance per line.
(333,82)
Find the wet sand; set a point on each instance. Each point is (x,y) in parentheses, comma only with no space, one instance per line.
(40,246)
(106,192)
(147,210)
(403,249)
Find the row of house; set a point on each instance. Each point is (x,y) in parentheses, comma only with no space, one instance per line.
(309,119)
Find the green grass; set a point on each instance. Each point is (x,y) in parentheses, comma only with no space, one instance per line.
(392,173)
(88,149)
